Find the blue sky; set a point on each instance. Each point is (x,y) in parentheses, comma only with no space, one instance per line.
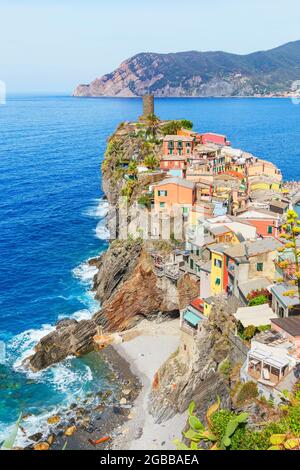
(52,45)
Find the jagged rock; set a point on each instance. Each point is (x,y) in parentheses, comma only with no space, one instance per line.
(36,437)
(76,339)
(70,431)
(42,446)
(53,419)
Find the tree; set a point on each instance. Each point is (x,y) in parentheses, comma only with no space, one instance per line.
(172,127)
(186,124)
(132,168)
(152,122)
(151,162)
(290,264)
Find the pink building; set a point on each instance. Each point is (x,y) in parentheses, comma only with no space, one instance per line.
(211,138)
(179,145)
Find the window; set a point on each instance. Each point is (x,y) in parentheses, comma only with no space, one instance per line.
(260,266)
(198,252)
(270,229)
(191,264)
(162,193)
(162,204)
(185,210)
(218,263)
(218,281)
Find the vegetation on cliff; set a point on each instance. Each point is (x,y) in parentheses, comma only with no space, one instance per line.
(194,73)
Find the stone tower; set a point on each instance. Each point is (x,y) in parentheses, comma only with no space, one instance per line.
(148,105)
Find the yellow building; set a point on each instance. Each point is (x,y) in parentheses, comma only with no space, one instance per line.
(207,306)
(217,281)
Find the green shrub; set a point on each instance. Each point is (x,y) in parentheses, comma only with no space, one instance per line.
(220,421)
(293,419)
(249,332)
(259,300)
(225,367)
(246,392)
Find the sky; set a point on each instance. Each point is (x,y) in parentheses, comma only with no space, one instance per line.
(53,45)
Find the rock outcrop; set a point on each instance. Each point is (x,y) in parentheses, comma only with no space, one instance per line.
(196,73)
(129,290)
(192,373)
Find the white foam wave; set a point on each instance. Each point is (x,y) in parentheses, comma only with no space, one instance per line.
(99,211)
(85,272)
(23,344)
(102,231)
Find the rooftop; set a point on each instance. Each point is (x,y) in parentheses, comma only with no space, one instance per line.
(178,181)
(253,248)
(280,204)
(219,230)
(279,289)
(291,325)
(259,315)
(181,138)
(253,284)
(173,158)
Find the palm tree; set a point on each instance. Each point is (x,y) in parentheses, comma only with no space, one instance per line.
(152,122)
(151,162)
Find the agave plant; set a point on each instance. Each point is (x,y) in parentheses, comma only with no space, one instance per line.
(199,434)
(8,444)
(284,442)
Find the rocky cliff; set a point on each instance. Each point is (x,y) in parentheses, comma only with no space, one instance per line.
(126,283)
(193,372)
(195,73)
(129,290)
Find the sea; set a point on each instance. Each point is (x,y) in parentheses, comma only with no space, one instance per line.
(52,220)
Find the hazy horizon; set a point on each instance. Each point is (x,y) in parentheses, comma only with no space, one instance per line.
(51,48)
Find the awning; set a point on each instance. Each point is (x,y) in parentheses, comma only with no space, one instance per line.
(191,318)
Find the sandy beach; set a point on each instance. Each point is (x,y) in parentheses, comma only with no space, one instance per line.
(146,353)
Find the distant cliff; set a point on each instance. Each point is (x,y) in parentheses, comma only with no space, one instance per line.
(201,74)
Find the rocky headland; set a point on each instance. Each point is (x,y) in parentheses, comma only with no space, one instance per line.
(126,283)
(194,73)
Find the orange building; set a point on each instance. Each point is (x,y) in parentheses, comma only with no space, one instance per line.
(174,192)
(179,145)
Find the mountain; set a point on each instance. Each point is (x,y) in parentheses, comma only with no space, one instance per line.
(196,73)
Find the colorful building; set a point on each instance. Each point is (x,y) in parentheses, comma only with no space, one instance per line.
(212,138)
(249,260)
(219,272)
(267,223)
(174,166)
(174,192)
(178,145)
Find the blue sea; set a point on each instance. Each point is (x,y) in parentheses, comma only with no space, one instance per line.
(52,221)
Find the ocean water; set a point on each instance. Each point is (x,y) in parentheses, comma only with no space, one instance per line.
(52,217)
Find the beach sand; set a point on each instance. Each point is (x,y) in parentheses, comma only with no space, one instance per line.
(145,354)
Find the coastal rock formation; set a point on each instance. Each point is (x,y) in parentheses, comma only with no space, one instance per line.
(196,73)
(192,373)
(129,290)
(71,338)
